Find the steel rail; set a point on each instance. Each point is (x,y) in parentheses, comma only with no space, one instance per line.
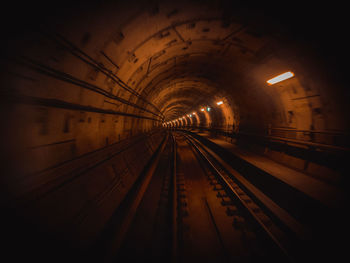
(228,186)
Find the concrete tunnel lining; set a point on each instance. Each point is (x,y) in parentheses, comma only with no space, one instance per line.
(89,81)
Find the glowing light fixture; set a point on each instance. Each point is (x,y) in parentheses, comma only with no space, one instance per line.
(190,115)
(280,78)
(202,109)
(193,113)
(208,109)
(220,102)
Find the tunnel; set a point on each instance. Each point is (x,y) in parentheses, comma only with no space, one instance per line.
(174,131)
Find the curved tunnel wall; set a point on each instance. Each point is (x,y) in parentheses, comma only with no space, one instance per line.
(95,79)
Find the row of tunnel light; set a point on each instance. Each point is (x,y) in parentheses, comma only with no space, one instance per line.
(271,81)
(189,115)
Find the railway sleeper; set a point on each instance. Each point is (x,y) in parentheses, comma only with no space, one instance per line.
(231,210)
(211,177)
(221,194)
(183,212)
(218,188)
(214,182)
(181,196)
(182,203)
(226,201)
(239,222)
(248,235)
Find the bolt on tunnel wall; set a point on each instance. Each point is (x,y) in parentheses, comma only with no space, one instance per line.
(98,84)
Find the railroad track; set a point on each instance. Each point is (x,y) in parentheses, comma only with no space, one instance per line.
(202,212)
(247,212)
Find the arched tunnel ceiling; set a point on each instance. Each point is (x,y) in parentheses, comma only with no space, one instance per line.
(184,54)
(193,46)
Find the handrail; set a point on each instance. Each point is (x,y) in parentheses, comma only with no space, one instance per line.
(278,138)
(300,142)
(310,131)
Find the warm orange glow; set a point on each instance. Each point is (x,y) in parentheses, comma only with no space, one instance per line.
(202,109)
(220,102)
(280,78)
(193,113)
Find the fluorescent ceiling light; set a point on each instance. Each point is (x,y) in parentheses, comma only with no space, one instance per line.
(280,78)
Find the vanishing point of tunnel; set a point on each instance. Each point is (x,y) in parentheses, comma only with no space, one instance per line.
(174,131)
